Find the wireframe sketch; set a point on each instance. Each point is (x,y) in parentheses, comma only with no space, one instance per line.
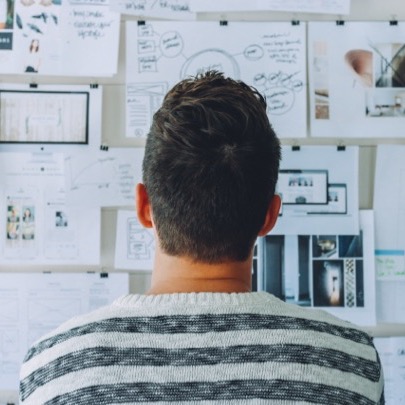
(140,241)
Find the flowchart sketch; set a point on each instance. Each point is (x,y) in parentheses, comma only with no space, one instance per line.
(357,79)
(135,245)
(167,9)
(103,178)
(318,186)
(268,57)
(33,304)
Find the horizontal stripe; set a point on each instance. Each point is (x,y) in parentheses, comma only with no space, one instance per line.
(184,341)
(138,357)
(259,371)
(221,390)
(389,252)
(179,324)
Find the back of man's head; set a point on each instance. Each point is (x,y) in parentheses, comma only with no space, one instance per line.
(210,168)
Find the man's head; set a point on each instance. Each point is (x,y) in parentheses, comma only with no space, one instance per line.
(210,169)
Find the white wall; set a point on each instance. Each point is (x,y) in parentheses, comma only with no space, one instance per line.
(113,124)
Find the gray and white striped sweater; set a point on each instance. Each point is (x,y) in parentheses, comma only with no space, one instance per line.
(205,348)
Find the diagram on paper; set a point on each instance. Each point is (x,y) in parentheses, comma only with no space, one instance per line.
(272,59)
(103,178)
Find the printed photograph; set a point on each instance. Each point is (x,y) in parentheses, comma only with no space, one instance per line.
(328,283)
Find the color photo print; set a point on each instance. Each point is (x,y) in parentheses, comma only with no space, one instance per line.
(321,271)
(337,271)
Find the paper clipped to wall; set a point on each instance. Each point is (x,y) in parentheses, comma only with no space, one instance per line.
(135,244)
(69,38)
(269,57)
(357,79)
(318,186)
(297,6)
(31,305)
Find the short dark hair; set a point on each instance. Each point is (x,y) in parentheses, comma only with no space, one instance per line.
(210,168)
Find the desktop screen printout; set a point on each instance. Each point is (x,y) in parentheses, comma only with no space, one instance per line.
(44,117)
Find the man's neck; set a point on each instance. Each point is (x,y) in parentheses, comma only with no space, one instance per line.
(182,275)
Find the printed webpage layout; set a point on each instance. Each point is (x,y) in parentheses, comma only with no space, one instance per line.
(69,38)
(318,186)
(357,79)
(37,226)
(271,57)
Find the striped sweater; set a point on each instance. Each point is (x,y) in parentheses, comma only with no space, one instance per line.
(203,348)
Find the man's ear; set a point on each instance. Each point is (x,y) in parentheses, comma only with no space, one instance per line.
(271,215)
(143,208)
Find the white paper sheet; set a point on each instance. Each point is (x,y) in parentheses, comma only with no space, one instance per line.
(389,205)
(392,355)
(299,6)
(342,170)
(32,305)
(270,57)
(61,38)
(49,112)
(36,225)
(324,271)
(356,79)
(135,245)
(168,9)
(103,178)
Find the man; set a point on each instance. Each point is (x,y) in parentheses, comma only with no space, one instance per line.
(199,335)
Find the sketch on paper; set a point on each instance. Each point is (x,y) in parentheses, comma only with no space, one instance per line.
(135,245)
(140,241)
(272,59)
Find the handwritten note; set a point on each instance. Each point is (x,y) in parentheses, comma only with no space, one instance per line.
(68,38)
(92,31)
(168,9)
(390,265)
